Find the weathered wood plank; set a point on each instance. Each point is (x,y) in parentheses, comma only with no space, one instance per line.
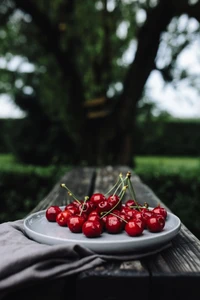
(176,270)
(78,180)
(115,281)
(118,279)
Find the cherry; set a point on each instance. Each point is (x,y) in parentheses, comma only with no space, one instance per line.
(146,214)
(134,227)
(113,224)
(130,202)
(73,209)
(52,212)
(103,206)
(114,200)
(92,229)
(103,219)
(75,223)
(155,223)
(62,217)
(129,212)
(160,210)
(77,203)
(116,212)
(85,207)
(96,198)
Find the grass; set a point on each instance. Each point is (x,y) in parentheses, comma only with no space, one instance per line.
(9,164)
(174,164)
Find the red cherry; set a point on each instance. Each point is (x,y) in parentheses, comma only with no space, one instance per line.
(139,216)
(94,218)
(96,198)
(103,219)
(103,206)
(160,211)
(70,205)
(77,203)
(129,212)
(62,217)
(84,215)
(130,202)
(52,212)
(113,200)
(97,219)
(155,223)
(93,213)
(72,208)
(85,207)
(146,214)
(116,212)
(75,223)
(134,227)
(92,229)
(113,224)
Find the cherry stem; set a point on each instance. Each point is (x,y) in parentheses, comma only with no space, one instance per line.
(109,211)
(69,192)
(122,183)
(130,186)
(119,217)
(116,184)
(83,204)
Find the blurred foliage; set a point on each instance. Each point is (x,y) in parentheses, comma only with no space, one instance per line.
(176,182)
(22,187)
(161,135)
(57,54)
(166,136)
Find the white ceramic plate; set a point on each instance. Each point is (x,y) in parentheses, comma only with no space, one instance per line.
(38,228)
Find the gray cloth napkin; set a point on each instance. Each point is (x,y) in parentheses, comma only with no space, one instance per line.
(26,262)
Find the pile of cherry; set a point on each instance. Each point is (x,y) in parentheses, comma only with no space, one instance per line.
(98,214)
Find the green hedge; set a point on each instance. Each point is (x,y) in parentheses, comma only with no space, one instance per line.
(178,188)
(22,187)
(168,138)
(153,137)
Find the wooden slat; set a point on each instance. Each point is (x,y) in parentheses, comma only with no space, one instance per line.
(177,268)
(78,180)
(114,281)
(117,280)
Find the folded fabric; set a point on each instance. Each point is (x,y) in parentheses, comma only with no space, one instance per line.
(27,262)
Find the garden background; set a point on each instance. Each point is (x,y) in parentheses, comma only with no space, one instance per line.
(83,104)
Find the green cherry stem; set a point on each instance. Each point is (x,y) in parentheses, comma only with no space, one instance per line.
(83,204)
(120,199)
(69,192)
(116,184)
(119,217)
(130,186)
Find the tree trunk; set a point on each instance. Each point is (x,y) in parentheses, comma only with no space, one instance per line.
(140,69)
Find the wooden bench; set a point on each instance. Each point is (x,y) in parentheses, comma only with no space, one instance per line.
(171,274)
